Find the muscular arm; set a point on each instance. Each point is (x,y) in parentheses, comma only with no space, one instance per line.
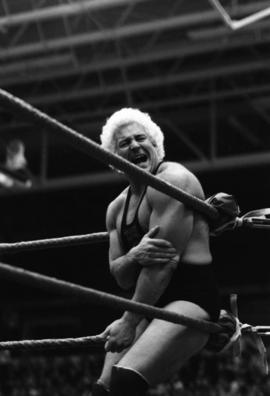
(124,268)
(151,251)
(176,223)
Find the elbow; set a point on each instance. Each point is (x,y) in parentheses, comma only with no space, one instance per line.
(172,265)
(121,281)
(161,272)
(124,284)
(169,268)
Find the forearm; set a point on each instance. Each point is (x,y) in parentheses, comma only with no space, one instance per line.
(151,284)
(125,269)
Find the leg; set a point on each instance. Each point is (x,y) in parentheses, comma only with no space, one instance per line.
(113,358)
(164,347)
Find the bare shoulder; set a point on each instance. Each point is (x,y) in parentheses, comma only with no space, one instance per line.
(114,208)
(178,175)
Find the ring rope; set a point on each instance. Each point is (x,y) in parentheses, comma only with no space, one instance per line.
(98,340)
(89,295)
(259,218)
(37,244)
(93,149)
(50,343)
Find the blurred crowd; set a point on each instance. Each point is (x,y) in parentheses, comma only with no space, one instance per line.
(73,374)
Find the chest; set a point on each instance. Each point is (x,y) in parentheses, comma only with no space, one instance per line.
(137,208)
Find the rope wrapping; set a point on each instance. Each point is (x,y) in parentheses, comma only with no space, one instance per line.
(67,241)
(88,146)
(101,298)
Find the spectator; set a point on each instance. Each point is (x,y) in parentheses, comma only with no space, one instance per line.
(15,172)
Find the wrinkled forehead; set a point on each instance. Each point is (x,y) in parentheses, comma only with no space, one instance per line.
(129,129)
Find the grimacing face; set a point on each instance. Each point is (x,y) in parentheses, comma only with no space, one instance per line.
(134,144)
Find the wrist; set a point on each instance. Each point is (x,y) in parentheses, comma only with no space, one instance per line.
(131,256)
(131,318)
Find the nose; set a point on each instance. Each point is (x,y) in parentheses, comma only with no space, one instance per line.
(134,144)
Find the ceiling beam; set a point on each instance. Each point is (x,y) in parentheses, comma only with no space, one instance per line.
(89,123)
(33,65)
(196,75)
(110,63)
(60,11)
(180,21)
(111,178)
(239,161)
(87,127)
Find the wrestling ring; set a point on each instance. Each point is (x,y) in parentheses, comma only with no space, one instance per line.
(221,218)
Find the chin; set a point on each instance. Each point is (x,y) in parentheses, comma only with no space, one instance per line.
(145,166)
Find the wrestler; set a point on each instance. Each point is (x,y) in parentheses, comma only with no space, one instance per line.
(159,250)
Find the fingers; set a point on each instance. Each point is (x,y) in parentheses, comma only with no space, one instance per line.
(162,255)
(160,242)
(161,249)
(153,231)
(113,346)
(105,334)
(107,346)
(157,261)
(154,252)
(156,241)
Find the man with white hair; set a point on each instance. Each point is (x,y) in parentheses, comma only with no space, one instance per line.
(159,250)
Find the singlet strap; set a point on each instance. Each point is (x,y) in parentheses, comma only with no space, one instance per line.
(124,218)
(124,222)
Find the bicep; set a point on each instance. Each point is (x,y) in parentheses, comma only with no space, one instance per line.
(115,249)
(174,218)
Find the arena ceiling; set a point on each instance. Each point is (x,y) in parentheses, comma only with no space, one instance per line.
(206,85)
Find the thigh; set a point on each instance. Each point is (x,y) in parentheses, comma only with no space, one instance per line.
(113,358)
(164,347)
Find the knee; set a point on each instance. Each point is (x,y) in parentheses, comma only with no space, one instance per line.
(125,381)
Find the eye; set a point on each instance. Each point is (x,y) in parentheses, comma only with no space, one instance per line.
(140,138)
(122,143)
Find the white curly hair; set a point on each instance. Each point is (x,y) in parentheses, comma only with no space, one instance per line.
(127,116)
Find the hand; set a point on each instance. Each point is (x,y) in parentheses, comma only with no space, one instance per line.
(119,335)
(153,251)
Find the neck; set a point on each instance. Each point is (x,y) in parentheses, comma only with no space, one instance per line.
(136,186)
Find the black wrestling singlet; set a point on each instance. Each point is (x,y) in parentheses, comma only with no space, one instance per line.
(131,234)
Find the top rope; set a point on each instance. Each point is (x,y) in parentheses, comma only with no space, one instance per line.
(17,105)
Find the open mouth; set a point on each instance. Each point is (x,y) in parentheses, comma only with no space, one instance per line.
(139,159)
